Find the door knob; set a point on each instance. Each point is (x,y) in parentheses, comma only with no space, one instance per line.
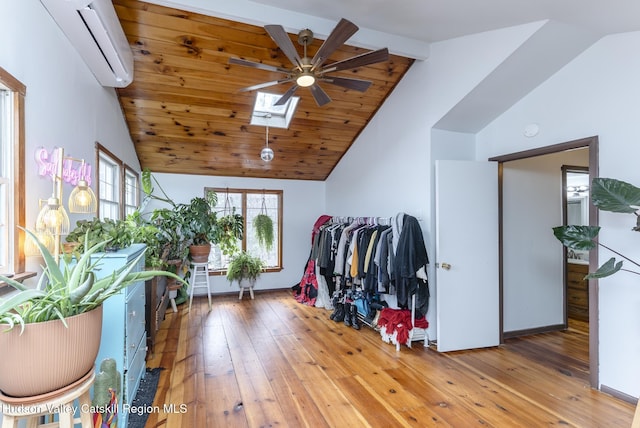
(445,266)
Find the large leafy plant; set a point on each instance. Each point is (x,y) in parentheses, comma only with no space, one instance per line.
(69,290)
(199,220)
(231,229)
(607,194)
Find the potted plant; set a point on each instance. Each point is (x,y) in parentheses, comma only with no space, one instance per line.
(172,243)
(117,232)
(145,232)
(199,226)
(607,194)
(51,333)
(231,228)
(243,267)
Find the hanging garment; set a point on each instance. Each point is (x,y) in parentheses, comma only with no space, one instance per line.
(411,256)
(308,291)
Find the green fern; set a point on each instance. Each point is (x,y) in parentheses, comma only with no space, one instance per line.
(263,226)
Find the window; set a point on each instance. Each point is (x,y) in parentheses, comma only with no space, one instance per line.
(118,186)
(250,203)
(109,187)
(266,113)
(12,181)
(131,191)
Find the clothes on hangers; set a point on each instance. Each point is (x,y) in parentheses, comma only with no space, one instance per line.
(363,254)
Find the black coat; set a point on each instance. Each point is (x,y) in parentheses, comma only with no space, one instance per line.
(411,255)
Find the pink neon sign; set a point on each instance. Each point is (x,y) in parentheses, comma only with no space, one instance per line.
(72,170)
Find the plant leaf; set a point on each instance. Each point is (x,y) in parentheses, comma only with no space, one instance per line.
(15,300)
(609,268)
(613,195)
(78,272)
(53,270)
(577,237)
(147,185)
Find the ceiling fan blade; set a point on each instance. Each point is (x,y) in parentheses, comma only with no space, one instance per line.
(264,85)
(349,83)
(338,36)
(358,61)
(319,95)
(285,97)
(280,36)
(258,65)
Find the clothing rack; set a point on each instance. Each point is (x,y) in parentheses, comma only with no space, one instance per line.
(416,333)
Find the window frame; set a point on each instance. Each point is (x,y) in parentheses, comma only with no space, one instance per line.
(127,170)
(17,259)
(121,173)
(278,223)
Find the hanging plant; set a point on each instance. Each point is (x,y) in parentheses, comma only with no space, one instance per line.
(263,226)
(231,227)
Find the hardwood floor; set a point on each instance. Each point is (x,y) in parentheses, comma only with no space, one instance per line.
(274,362)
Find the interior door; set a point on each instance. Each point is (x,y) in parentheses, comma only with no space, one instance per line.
(467,263)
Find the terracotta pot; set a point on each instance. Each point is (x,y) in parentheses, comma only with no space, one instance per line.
(199,253)
(48,356)
(69,247)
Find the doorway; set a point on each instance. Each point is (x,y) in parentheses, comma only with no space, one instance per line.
(511,240)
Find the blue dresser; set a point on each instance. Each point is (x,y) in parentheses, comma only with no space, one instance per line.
(123,326)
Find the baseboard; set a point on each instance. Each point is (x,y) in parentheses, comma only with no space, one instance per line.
(530,331)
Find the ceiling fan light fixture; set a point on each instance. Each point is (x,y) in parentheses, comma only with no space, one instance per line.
(305,79)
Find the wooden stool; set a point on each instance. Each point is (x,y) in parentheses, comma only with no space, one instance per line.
(199,279)
(62,404)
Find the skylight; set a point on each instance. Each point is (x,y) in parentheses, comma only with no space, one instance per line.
(266,114)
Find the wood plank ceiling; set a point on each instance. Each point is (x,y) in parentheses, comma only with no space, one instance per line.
(186,115)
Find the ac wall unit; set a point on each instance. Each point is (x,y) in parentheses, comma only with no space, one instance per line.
(93,28)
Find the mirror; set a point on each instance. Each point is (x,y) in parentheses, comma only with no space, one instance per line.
(577,188)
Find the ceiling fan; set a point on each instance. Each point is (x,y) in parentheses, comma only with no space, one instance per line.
(308,72)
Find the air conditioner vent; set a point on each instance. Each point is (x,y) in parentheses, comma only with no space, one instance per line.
(94,30)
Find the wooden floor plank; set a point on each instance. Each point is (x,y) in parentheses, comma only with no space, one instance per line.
(274,362)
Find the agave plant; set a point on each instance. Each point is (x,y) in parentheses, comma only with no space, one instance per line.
(612,195)
(70,290)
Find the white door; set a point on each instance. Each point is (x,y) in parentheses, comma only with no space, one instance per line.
(467,290)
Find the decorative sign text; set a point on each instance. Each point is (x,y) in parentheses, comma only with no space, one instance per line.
(72,170)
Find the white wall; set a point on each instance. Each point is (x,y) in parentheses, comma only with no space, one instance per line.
(532,257)
(389,168)
(64,106)
(596,94)
(303,203)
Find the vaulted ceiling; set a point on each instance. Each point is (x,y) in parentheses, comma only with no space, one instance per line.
(186,114)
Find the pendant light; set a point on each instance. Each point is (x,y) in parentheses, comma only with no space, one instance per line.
(267,153)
